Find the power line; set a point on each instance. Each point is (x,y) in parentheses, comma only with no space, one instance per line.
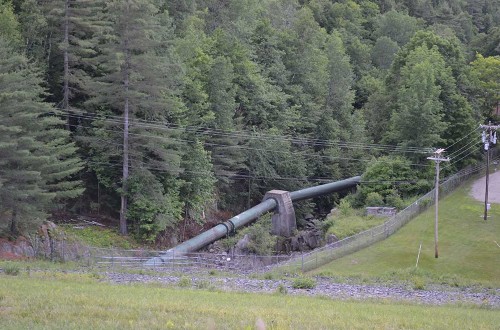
(245,134)
(169,139)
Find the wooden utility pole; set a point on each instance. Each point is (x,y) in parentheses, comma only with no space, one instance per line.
(489,137)
(438,159)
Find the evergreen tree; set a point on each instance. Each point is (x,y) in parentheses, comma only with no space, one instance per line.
(140,81)
(36,160)
(227,157)
(198,189)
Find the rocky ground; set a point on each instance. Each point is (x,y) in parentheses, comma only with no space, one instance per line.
(325,287)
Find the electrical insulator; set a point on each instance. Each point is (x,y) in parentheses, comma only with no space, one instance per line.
(494,138)
(486,145)
(483,137)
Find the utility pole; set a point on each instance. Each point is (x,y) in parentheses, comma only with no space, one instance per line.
(489,136)
(438,159)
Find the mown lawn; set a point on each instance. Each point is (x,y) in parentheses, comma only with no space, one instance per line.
(77,301)
(467,249)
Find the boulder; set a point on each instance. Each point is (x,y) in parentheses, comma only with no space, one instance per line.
(242,246)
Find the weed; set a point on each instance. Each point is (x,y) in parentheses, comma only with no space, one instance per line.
(268,276)
(184,282)
(12,270)
(95,275)
(202,285)
(281,289)
(304,283)
(418,283)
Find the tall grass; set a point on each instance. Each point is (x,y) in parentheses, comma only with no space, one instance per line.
(70,303)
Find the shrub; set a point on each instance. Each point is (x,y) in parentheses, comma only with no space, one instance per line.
(374,199)
(304,283)
(203,285)
(261,241)
(418,283)
(13,270)
(395,200)
(345,208)
(184,282)
(281,289)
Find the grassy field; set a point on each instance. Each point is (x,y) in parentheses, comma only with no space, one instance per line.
(467,249)
(79,301)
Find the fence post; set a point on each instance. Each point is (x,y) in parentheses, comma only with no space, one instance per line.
(302,262)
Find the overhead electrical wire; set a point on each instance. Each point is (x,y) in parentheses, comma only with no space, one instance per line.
(169,139)
(248,135)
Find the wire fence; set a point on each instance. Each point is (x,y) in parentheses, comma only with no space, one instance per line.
(348,245)
(116,258)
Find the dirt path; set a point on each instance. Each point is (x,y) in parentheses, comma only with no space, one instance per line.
(477,190)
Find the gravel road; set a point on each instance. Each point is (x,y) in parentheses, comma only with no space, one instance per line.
(478,188)
(434,295)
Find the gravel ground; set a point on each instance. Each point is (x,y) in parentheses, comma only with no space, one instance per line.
(433,295)
(478,188)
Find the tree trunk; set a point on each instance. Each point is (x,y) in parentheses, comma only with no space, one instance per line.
(123,209)
(14,231)
(65,104)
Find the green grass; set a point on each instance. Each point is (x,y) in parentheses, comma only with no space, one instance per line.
(467,251)
(345,226)
(100,237)
(76,301)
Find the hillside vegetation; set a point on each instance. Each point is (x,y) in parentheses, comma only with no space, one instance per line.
(162,113)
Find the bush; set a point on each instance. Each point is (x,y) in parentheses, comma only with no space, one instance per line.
(281,289)
(304,283)
(345,208)
(12,270)
(261,241)
(203,285)
(395,200)
(184,282)
(374,199)
(418,283)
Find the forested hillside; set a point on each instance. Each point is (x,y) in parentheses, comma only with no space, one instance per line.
(155,112)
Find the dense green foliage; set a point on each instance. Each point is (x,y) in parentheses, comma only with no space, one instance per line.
(181,108)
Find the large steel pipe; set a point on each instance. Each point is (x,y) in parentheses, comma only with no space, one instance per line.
(324,189)
(246,217)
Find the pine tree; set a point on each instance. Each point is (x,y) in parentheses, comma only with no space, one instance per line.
(36,160)
(198,189)
(140,81)
(227,158)
(72,28)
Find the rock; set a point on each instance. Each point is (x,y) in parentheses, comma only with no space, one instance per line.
(333,213)
(19,249)
(49,242)
(331,238)
(242,246)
